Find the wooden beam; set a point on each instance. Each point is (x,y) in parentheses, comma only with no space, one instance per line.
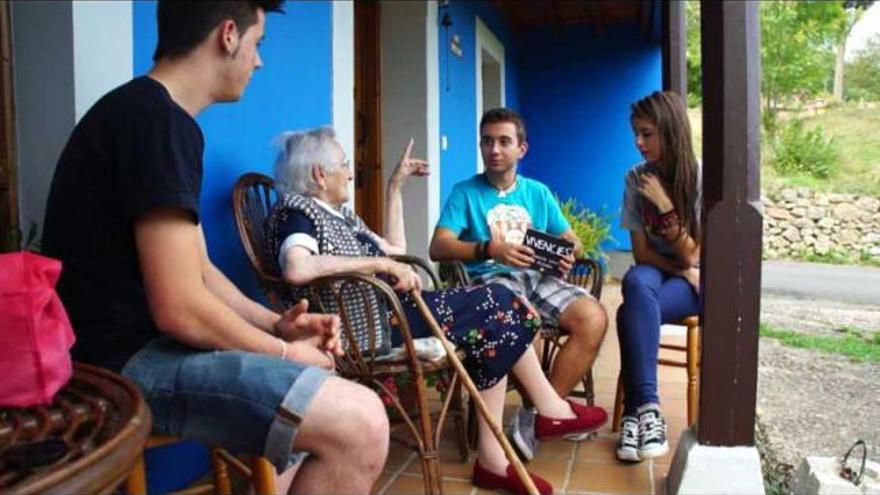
(732,219)
(674,46)
(8,176)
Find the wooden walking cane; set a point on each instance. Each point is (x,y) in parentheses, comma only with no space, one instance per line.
(475,395)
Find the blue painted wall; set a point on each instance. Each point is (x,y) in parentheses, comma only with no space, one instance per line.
(575,95)
(293,90)
(458,100)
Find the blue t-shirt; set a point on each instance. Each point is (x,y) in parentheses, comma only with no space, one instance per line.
(476,211)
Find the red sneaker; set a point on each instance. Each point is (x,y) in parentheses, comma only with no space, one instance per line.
(588,419)
(511,484)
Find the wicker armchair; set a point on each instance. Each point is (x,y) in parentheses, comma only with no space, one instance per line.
(352,294)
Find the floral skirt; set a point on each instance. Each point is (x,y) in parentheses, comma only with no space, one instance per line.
(491,324)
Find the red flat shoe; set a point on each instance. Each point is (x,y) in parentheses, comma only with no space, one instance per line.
(511,484)
(588,419)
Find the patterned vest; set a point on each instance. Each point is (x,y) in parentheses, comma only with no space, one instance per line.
(361,305)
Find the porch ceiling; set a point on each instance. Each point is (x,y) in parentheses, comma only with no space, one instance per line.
(524,15)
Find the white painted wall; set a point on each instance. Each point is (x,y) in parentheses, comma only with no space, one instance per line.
(343,80)
(65,56)
(487,46)
(102,49)
(411,108)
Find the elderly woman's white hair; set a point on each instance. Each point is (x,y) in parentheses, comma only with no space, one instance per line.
(299,152)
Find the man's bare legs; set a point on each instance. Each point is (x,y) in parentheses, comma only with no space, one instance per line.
(346,431)
(585,321)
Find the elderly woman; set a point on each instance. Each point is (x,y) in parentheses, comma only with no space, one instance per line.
(314,235)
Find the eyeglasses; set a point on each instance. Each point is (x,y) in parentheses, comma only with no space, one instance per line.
(346,164)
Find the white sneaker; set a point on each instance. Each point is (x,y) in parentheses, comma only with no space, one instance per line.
(652,432)
(628,440)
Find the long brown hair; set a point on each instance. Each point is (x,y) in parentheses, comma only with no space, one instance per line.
(667,111)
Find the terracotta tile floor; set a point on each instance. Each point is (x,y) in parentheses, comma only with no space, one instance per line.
(589,467)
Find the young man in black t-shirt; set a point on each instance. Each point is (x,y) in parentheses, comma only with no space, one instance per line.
(146,300)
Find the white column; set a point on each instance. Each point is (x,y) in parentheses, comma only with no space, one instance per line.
(411,109)
(343,80)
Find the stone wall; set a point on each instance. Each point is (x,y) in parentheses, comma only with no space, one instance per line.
(800,221)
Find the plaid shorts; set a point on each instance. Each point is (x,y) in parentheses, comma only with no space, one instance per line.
(550,295)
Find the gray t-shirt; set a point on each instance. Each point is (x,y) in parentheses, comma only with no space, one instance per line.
(638,211)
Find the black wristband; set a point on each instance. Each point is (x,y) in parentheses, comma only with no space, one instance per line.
(484,249)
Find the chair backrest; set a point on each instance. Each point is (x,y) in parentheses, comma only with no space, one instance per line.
(253,197)
(587,273)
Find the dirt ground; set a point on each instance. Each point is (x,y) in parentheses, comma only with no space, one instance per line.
(811,403)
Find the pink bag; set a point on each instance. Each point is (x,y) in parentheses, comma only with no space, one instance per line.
(35,333)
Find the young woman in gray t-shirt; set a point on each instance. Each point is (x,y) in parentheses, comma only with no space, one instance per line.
(662,212)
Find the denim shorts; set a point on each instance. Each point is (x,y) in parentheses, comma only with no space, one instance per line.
(242,401)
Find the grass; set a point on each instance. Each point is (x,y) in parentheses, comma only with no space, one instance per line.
(837,258)
(855,132)
(855,344)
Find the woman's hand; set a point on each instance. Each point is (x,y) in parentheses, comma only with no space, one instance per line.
(692,275)
(650,187)
(405,278)
(408,166)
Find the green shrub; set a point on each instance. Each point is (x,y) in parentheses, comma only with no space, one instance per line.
(797,150)
(590,227)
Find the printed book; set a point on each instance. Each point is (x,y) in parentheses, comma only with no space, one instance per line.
(549,250)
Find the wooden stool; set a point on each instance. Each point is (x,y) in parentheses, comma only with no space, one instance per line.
(691,364)
(261,472)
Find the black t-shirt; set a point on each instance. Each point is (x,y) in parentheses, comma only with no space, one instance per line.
(134,150)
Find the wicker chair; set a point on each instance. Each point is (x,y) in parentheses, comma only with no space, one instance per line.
(253,197)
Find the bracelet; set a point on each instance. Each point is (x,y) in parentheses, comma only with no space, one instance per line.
(283,348)
(485,249)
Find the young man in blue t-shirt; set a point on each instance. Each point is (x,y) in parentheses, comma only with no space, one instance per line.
(483,223)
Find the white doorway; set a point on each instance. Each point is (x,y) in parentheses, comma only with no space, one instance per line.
(489,68)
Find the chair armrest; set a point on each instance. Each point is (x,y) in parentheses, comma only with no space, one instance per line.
(418,263)
(355,362)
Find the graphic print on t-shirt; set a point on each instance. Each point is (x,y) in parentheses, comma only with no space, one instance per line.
(509,223)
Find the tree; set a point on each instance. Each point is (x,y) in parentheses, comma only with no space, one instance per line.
(863,72)
(694,53)
(853,11)
(796,50)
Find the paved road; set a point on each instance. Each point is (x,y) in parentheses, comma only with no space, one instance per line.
(854,284)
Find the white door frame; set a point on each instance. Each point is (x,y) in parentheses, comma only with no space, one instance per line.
(486,40)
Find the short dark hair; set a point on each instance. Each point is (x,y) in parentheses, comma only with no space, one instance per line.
(499,115)
(185,24)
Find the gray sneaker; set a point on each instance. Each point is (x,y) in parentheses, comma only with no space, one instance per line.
(522,433)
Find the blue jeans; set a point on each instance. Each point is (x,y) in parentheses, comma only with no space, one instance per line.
(243,401)
(650,298)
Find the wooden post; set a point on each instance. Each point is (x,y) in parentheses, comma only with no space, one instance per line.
(674,47)
(732,219)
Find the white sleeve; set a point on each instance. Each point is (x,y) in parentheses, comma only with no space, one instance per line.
(297,239)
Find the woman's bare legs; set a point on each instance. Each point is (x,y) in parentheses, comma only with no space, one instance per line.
(490,455)
(528,372)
